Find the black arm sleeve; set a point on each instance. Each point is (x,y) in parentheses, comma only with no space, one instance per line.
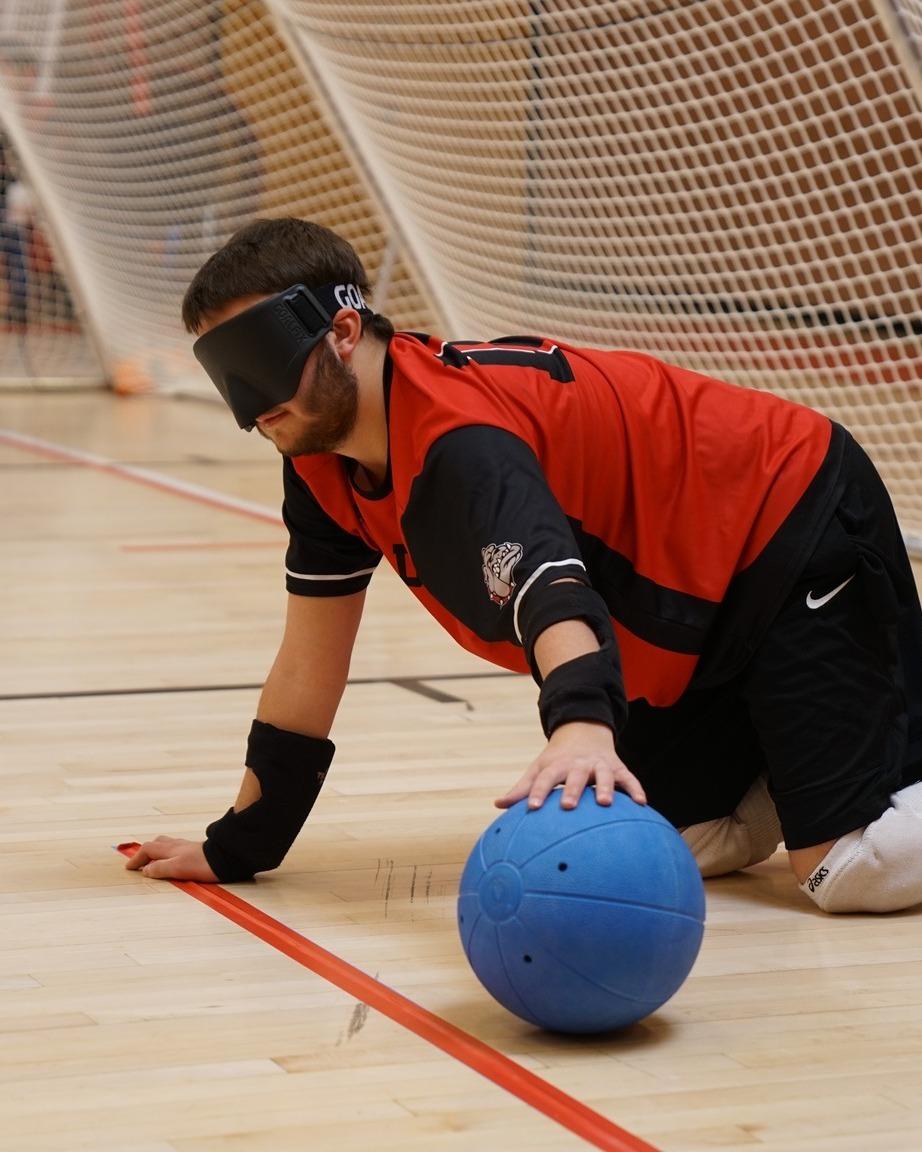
(485,530)
(488,537)
(491,543)
(323,559)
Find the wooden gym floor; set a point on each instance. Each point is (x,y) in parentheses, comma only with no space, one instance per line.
(138,623)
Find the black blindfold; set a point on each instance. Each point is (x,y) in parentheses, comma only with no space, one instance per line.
(256,358)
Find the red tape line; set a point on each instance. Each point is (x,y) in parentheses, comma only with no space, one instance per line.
(505,1073)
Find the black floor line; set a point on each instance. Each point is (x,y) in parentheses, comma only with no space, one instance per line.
(417,684)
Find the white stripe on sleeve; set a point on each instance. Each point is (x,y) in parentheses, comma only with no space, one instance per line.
(338,576)
(531,579)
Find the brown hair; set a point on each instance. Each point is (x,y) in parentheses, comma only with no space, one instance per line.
(268,256)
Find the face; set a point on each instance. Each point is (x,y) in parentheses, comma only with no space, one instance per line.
(321,414)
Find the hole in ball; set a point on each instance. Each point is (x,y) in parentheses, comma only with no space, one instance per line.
(527,959)
(561,867)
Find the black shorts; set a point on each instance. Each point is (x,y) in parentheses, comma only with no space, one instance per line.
(830,704)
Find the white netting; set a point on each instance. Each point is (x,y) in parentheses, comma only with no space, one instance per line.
(732,185)
(904,18)
(153,128)
(735,186)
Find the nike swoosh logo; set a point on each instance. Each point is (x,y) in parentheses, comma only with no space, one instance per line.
(819,601)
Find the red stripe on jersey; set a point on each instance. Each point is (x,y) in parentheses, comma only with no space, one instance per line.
(650,673)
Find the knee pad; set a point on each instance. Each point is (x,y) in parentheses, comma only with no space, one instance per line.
(877,868)
(751,834)
(908,799)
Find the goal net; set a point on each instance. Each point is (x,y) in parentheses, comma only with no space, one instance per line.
(151,129)
(731,185)
(734,186)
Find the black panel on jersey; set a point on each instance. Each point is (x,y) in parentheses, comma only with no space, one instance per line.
(662,616)
(323,559)
(481,486)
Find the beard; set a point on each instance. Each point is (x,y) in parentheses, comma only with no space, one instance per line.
(325,412)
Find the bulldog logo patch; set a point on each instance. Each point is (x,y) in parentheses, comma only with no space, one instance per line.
(498,563)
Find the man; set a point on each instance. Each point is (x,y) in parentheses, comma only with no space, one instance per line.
(707,582)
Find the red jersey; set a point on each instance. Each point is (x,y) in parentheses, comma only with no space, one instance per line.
(688,504)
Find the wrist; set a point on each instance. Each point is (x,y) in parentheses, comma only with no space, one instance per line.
(290,769)
(583,730)
(587,690)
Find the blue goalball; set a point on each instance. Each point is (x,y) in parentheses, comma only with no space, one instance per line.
(581,920)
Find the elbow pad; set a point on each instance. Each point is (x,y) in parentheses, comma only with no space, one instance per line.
(550,604)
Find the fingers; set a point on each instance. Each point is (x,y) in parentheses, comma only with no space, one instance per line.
(507,801)
(604,783)
(575,784)
(164,869)
(627,781)
(575,774)
(545,779)
(538,783)
(518,791)
(138,860)
(169,859)
(151,850)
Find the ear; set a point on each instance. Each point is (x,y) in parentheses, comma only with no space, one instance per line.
(346,333)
